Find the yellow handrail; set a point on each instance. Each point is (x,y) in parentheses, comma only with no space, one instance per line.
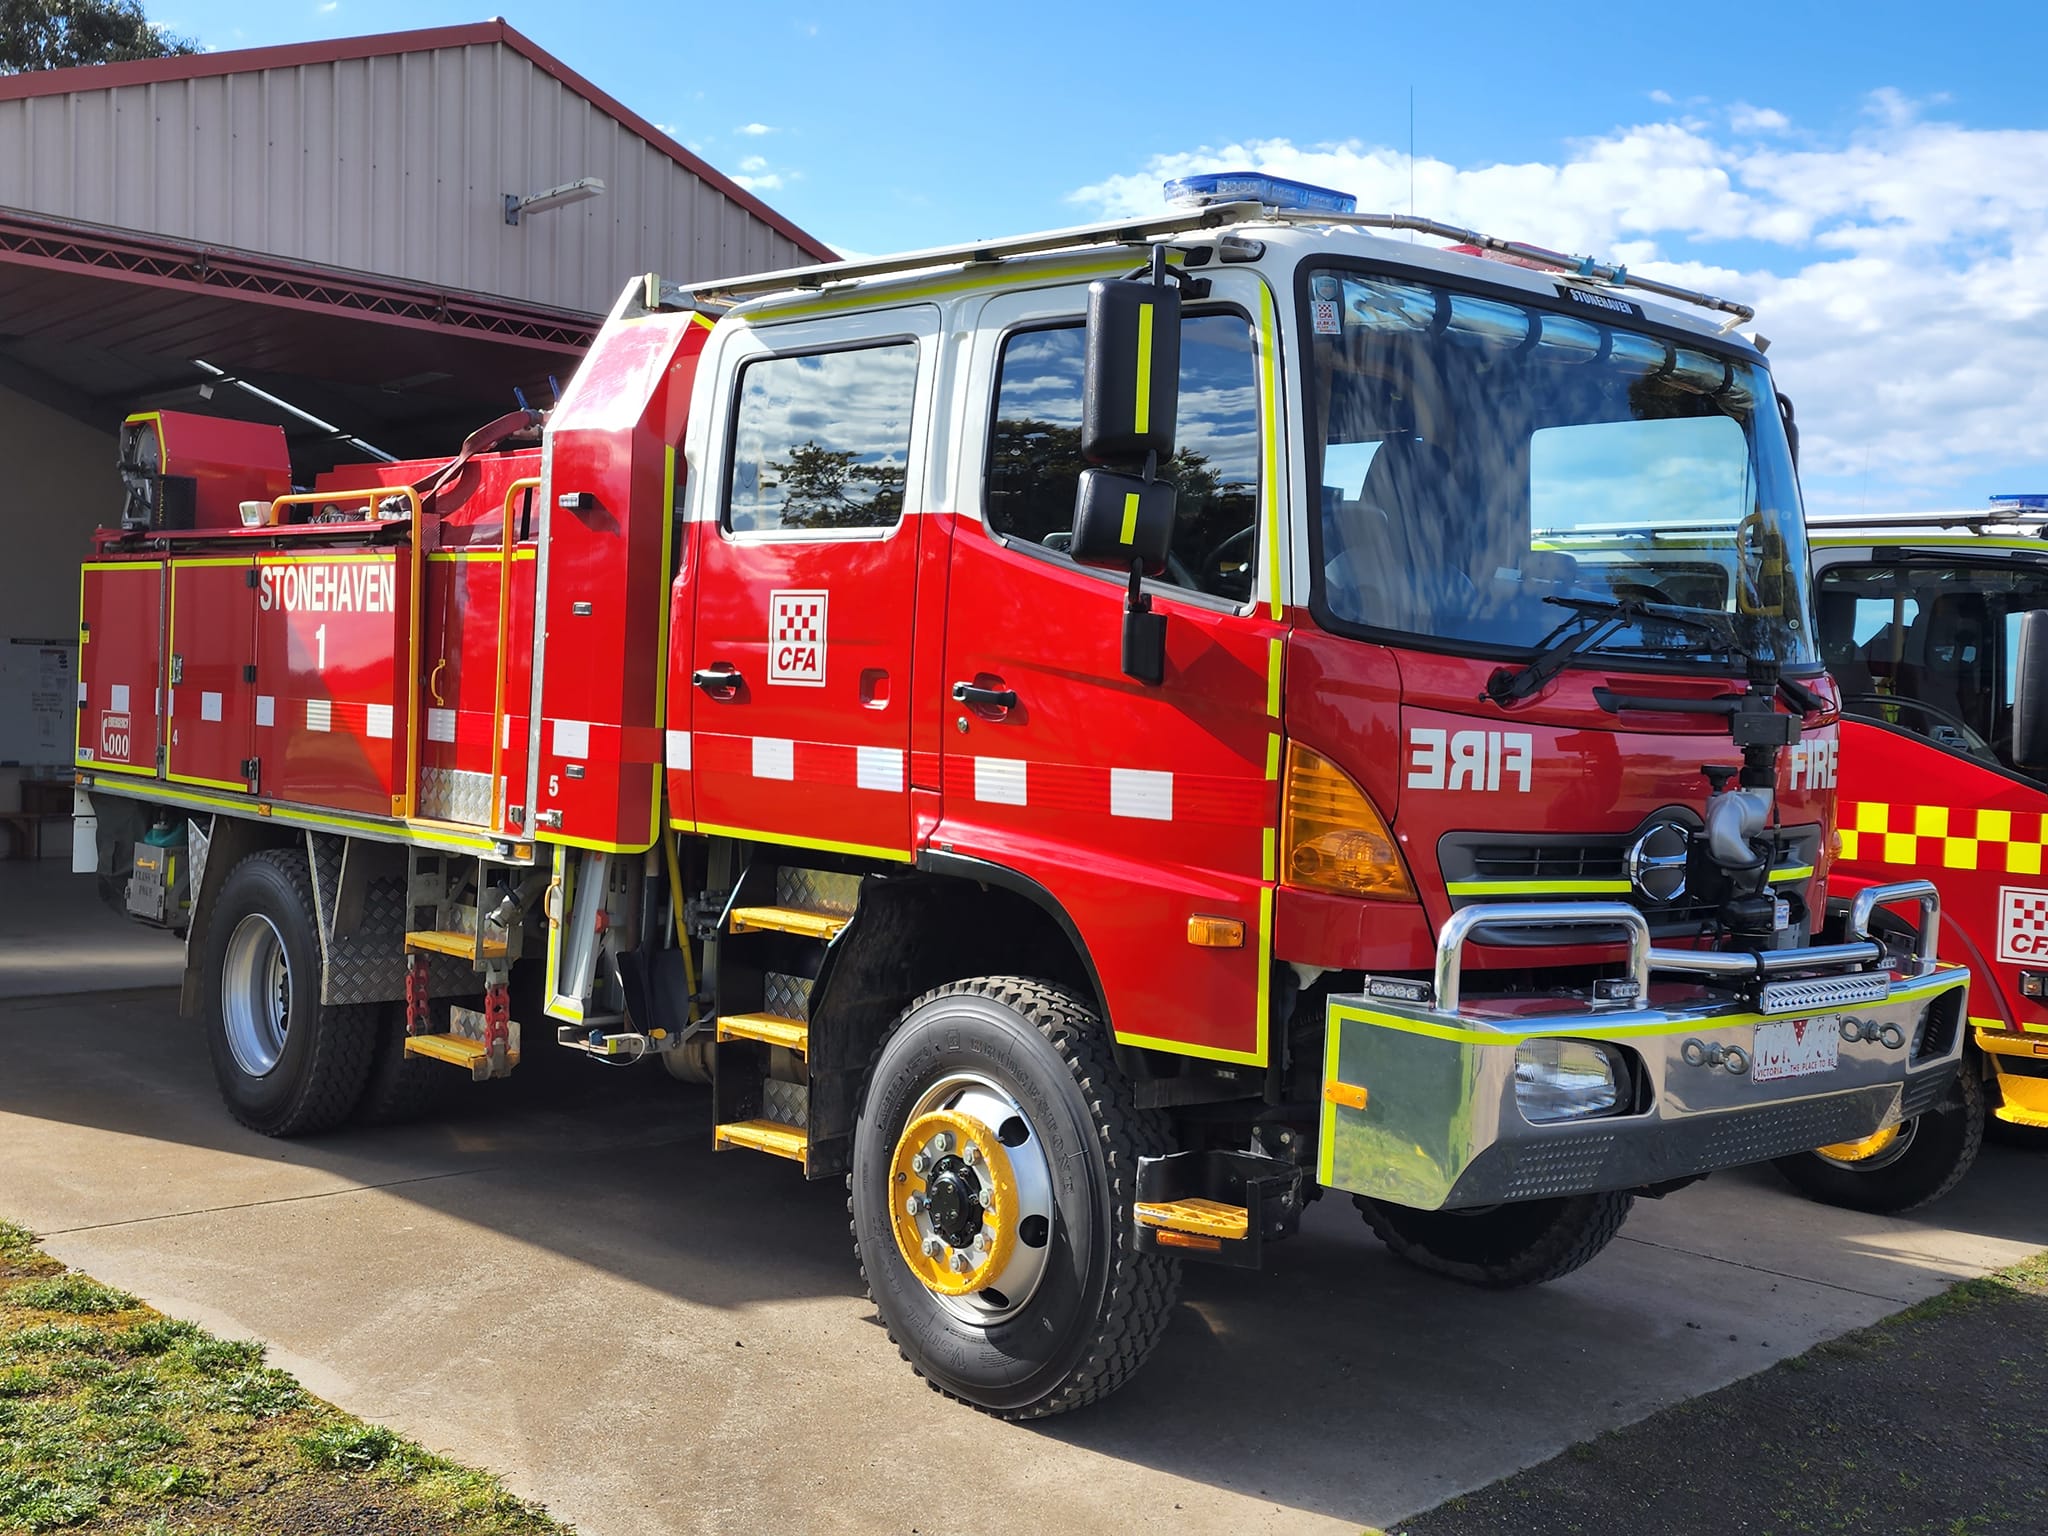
(371,498)
(505,542)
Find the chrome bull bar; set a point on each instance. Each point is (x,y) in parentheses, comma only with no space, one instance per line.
(1727,965)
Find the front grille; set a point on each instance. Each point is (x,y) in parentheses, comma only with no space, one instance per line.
(1540,866)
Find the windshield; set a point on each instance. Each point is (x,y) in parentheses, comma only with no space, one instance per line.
(1483,459)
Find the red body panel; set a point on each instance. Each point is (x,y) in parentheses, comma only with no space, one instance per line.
(329,704)
(812,741)
(1137,807)
(227,461)
(459,687)
(1912,811)
(210,706)
(120,666)
(607,537)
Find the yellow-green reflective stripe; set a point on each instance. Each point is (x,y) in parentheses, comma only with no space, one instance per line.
(1130,517)
(1533,887)
(1142,419)
(1791,872)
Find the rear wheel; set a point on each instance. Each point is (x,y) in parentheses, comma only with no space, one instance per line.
(995,1161)
(286,1064)
(400,1087)
(1502,1247)
(1902,1166)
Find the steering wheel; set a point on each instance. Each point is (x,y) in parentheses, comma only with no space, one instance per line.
(1234,548)
(1974,744)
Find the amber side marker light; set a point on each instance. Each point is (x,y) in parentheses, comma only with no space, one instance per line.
(1215,932)
(1331,838)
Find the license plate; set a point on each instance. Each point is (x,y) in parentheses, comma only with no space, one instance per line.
(1796,1048)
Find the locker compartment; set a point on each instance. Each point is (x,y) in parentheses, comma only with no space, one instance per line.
(209,702)
(329,705)
(459,660)
(121,665)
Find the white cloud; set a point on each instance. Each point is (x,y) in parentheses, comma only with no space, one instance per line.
(1662,98)
(328,7)
(768,183)
(754,164)
(754,130)
(1901,270)
(1744,118)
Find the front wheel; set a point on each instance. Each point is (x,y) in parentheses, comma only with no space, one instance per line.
(1502,1247)
(995,1163)
(1903,1166)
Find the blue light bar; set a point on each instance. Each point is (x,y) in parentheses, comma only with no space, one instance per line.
(1257,187)
(2023,501)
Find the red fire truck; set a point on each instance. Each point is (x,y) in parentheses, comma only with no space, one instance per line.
(1096,739)
(1935,628)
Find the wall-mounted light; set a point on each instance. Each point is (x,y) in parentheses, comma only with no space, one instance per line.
(555,197)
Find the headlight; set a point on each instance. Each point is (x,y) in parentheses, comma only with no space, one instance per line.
(1565,1080)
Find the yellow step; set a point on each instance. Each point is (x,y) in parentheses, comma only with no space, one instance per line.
(1202,1218)
(461,945)
(770,1027)
(762,1136)
(800,920)
(456,1050)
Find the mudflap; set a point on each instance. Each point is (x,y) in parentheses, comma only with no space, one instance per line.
(1221,1207)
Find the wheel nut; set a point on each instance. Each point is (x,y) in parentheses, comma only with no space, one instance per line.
(933,1247)
(918,1163)
(943,1142)
(962,1263)
(913,1205)
(971,1154)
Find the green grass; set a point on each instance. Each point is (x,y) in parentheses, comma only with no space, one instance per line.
(115,1417)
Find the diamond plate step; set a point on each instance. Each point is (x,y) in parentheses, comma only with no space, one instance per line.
(770,1136)
(771,1028)
(805,921)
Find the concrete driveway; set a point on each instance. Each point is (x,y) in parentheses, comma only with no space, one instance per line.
(562,1282)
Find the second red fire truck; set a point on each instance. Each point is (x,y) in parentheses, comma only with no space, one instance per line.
(1096,739)
(1935,627)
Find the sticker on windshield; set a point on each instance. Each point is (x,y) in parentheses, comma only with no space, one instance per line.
(1600,303)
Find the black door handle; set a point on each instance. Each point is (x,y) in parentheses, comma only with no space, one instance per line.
(721,680)
(985,698)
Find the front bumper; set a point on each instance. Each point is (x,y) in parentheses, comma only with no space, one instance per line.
(1420,1105)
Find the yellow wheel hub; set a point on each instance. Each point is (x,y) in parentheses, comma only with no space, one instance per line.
(945,1167)
(1862,1151)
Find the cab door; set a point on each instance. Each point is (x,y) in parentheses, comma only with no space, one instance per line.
(809,520)
(1140,808)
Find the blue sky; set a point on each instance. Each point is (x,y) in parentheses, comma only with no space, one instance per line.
(1877,182)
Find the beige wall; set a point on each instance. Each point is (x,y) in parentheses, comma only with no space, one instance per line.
(59,485)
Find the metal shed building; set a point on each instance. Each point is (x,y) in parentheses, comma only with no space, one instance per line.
(327,222)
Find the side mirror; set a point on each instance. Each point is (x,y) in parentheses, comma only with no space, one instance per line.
(1130,398)
(2030,693)
(1791,420)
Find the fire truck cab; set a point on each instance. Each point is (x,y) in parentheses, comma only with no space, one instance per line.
(1935,628)
(1097,739)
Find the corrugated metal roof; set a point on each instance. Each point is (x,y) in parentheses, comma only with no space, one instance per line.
(389,155)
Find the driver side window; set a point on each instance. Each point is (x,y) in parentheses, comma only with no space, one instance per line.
(1035,453)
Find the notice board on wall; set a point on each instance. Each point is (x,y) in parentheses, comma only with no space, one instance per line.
(38,701)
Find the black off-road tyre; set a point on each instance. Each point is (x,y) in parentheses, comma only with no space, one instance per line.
(401,1088)
(1502,1247)
(319,1073)
(1101,1306)
(1944,1143)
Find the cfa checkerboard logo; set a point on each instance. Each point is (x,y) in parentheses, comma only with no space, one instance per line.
(796,638)
(2022,925)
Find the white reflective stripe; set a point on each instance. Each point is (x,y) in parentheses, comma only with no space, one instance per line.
(1139,792)
(572,738)
(159,698)
(380,721)
(266,709)
(999,779)
(879,768)
(506,733)
(209,706)
(774,758)
(117,698)
(441,725)
(81,690)
(319,715)
(679,751)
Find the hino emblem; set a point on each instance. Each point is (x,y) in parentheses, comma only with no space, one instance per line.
(1656,862)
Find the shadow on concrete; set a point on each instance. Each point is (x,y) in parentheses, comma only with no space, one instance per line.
(1338,1382)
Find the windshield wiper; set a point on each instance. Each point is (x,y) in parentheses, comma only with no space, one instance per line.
(1599,616)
